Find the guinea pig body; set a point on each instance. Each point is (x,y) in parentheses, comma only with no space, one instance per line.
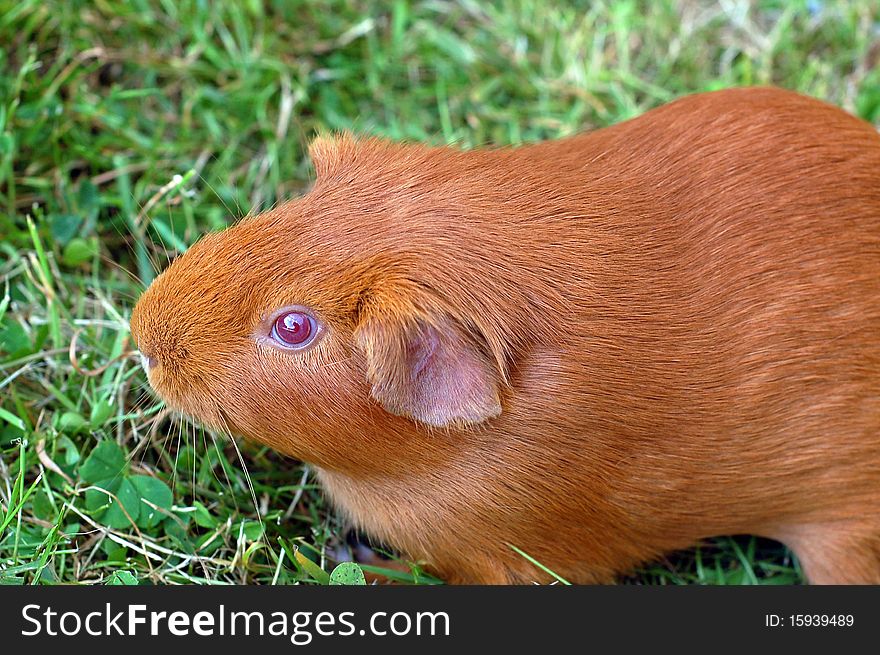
(598,349)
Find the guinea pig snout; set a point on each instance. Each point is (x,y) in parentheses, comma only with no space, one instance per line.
(148,362)
(160,343)
(165,353)
(154,346)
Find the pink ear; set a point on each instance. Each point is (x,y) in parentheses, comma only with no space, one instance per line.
(432,373)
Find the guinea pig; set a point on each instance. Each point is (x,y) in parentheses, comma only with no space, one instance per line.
(597,349)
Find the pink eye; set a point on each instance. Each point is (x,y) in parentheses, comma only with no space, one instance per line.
(293,329)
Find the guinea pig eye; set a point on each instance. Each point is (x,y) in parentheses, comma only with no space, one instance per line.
(294,329)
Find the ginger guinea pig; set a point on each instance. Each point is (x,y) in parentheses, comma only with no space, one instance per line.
(597,349)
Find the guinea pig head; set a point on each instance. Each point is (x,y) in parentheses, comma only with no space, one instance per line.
(331,327)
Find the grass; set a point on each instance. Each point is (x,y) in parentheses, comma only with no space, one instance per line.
(129,128)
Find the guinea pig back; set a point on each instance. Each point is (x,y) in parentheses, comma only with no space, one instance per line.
(598,349)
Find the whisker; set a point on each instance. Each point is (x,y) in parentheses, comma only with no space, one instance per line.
(219,197)
(243,467)
(336,363)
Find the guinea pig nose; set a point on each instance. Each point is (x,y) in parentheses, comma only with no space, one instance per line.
(148,362)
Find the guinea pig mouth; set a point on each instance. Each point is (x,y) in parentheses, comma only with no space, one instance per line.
(186,399)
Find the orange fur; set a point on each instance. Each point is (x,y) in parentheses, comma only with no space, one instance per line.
(632,339)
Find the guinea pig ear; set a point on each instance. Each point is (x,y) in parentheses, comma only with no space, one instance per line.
(428,367)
